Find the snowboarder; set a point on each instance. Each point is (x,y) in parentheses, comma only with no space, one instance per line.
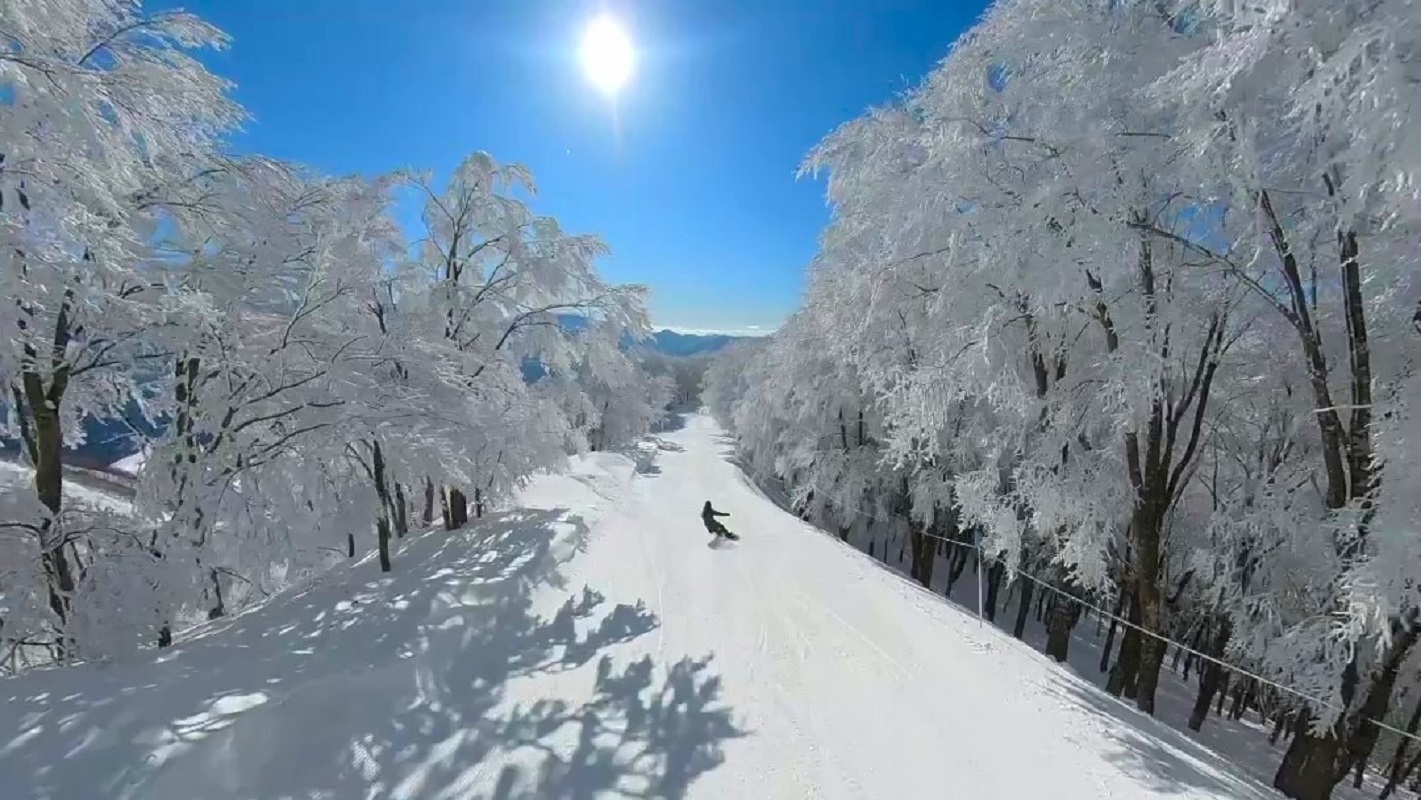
(708,516)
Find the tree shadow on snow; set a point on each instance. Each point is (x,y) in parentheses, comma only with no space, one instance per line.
(457,676)
(1157,755)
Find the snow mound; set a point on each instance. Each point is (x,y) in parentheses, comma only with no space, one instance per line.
(590,644)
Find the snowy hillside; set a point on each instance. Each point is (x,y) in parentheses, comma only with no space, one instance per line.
(593,642)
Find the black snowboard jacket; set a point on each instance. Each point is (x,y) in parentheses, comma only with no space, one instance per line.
(709,514)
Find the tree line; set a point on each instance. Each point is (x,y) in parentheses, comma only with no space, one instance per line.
(317,374)
(1124,289)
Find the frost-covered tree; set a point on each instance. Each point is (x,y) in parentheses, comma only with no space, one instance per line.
(306,373)
(104,108)
(1126,287)
(500,284)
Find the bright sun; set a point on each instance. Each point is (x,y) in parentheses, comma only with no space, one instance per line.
(607,55)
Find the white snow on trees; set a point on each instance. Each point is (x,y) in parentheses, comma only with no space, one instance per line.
(1125,288)
(315,377)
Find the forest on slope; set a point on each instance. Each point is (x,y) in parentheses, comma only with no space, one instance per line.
(1123,291)
(313,381)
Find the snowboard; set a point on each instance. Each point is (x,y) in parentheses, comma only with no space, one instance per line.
(717,538)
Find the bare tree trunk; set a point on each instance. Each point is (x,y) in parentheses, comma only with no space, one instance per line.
(924,554)
(1242,697)
(402,511)
(1023,608)
(1110,633)
(458,509)
(1399,767)
(1308,771)
(1060,621)
(1279,725)
(428,515)
(219,605)
(1315,763)
(994,585)
(1124,673)
(1200,642)
(1150,606)
(383,517)
(49,486)
(958,565)
(1408,771)
(1211,676)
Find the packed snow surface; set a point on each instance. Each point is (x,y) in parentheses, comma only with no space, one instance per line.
(593,643)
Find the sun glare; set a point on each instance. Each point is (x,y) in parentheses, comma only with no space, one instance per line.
(607,55)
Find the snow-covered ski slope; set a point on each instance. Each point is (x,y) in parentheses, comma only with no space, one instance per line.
(594,645)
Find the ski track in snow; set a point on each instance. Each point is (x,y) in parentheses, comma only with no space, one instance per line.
(591,645)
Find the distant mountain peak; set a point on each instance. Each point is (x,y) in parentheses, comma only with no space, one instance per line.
(675,343)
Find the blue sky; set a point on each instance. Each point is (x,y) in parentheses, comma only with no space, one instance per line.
(691,182)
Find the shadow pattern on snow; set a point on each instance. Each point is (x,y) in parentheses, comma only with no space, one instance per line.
(409,685)
(1158,756)
(1161,757)
(1155,754)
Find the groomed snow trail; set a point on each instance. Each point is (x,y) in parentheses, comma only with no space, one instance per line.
(595,644)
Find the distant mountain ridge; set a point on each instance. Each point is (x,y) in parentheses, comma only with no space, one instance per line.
(108,440)
(675,343)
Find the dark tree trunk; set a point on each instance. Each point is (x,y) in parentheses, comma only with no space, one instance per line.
(959,563)
(383,517)
(1309,768)
(1279,724)
(428,502)
(1124,673)
(1211,676)
(402,511)
(1058,629)
(478,503)
(382,538)
(219,605)
(1064,612)
(1314,764)
(994,585)
(1242,698)
(924,554)
(1023,608)
(1397,771)
(1412,768)
(350,545)
(49,486)
(458,509)
(1110,633)
(1198,642)
(1148,603)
